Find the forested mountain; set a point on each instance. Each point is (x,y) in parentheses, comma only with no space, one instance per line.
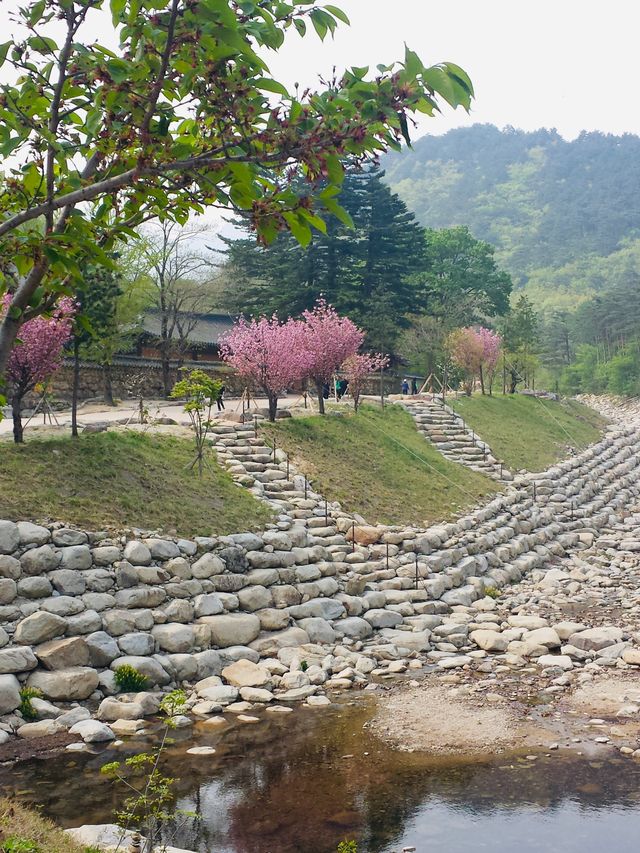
(553,209)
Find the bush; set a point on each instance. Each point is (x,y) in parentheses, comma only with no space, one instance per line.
(129,680)
(26,708)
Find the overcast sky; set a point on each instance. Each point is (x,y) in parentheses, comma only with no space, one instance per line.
(569,64)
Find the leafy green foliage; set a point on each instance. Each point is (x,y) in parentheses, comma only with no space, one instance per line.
(129,679)
(200,391)
(147,808)
(545,203)
(176,111)
(347,847)
(362,265)
(19,845)
(26,708)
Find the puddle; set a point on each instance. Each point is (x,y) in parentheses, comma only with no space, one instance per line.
(302,782)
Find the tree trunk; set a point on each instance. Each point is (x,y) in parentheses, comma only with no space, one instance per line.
(76,384)
(165,351)
(320,390)
(16,411)
(108,387)
(481,380)
(514,382)
(273,405)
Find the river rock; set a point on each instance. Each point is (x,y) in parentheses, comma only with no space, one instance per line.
(115,708)
(244,673)
(270,644)
(562,661)
(10,567)
(256,694)
(92,731)
(325,608)
(17,659)
(254,598)
(542,637)
(232,629)
(594,639)
(9,537)
(162,549)
(68,582)
(77,557)
(137,553)
(490,641)
(37,561)
(102,648)
(33,534)
(354,627)
(68,685)
(38,628)
(62,654)
(41,728)
(208,604)
(9,694)
(207,566)
(136,643)
(629,655)
(221,694)
(68,536)
(379,618)
(174,637)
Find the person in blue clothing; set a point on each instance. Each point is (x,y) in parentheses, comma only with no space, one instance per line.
(405,386)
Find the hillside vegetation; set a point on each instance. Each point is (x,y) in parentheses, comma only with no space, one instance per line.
(123,479)
(377,464)
(552,208)
(527,432)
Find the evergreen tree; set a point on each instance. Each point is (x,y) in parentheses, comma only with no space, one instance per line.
(364,271)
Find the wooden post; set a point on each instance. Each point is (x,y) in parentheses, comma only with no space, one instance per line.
(382,387)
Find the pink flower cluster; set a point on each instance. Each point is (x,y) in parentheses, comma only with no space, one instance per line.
(274,354)
(475,350)
(39,350)
(357,368)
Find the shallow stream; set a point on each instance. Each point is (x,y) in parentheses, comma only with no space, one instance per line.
(302,782)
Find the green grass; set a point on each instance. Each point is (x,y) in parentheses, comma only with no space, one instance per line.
(377,464)
(23,830)
(526,432)
(123,479)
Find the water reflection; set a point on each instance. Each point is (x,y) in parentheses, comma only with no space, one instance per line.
(301,783)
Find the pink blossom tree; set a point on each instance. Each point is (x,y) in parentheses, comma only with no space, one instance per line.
(358,367)
(491,348)
(466,349)
(37,354)
(329,340)
(267,353)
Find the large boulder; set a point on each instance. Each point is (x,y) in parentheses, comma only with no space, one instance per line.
(232,629)
(113,708)
(9,694)
(33,534)
(324,608)
(271,643)
(207,566)
(162,549)
(244,673)
(62,654)
(594,639)
(77,557)
(148,666)
(17,659)
(9,537)
(174,637)
(379,618)
(141,596)
(66,685)
(318,629)
(136,643)
(91,731)
(37,561)
(68,582)
(354,627)
(39,627)
(137,553)
(490,641)
(102,648)
(255,598)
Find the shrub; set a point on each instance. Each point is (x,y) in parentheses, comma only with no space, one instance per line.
(304,666)
(26,708)
(129,680)
(347,847)
(19,845)
(492,592)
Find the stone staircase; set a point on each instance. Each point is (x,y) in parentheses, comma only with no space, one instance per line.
(450,435)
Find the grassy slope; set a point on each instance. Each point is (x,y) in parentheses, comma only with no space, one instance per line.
(354,459)
(122,479)
(23,829)
(527,432)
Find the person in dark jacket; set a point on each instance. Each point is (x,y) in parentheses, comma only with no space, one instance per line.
(341,388)
(220,400)
(414,386)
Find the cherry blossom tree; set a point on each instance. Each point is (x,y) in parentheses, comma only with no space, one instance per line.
(328,340)
(466,349)
(357,368)
(267,353)
(37,355)
(491,348)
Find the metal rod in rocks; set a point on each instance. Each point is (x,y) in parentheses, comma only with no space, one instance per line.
(387,556)
(274,450)
(326,512)
(535,495)
(353,536)
(417,572)
(255,426)
(306,487)
(287,466)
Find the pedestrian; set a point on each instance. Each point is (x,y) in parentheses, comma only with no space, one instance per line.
(341,388)
(326,391)
(405,387)
(220,400)
(414,386)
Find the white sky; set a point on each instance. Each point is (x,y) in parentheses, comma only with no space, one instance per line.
(569,64)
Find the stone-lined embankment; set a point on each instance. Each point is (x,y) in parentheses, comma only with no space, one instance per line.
(320,601)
